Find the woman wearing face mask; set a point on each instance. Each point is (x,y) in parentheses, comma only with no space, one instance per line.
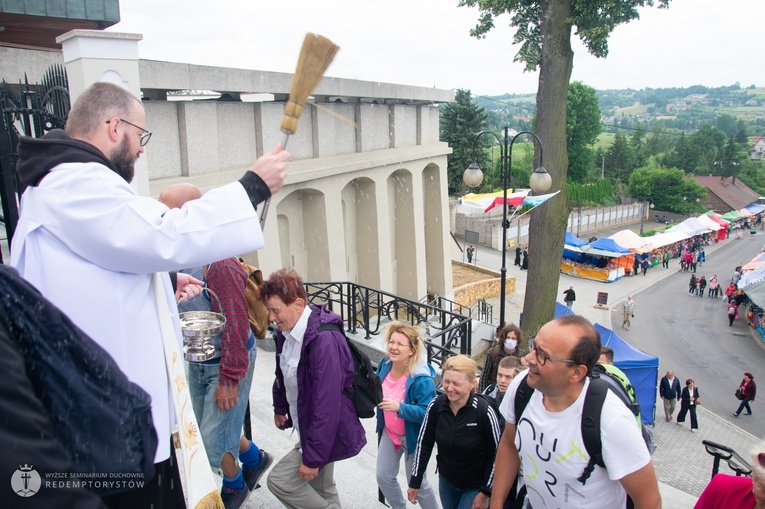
(510,341)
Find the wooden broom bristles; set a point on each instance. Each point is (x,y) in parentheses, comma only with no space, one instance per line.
(315,56)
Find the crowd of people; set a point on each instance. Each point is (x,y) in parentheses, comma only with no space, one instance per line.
(138,261)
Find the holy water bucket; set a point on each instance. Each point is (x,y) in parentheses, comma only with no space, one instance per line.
(198,329)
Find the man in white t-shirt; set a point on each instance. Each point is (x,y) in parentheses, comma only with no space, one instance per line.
(546,443)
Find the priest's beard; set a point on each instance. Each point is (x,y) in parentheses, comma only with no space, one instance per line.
(124,161)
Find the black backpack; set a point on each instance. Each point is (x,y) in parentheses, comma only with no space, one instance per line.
(600,382)
(367,387)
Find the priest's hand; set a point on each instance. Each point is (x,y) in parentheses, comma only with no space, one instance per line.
(272,168)
(187,287)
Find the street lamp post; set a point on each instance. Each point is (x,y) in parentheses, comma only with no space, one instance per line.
(539,182)
(642,213)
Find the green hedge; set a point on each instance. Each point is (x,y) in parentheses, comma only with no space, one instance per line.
(591,193)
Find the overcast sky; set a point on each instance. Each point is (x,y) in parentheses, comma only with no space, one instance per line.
(427,42)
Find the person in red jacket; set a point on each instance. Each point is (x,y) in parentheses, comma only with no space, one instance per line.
(727,491)
(748,391)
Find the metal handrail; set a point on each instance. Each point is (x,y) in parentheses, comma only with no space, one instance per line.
(721,452)
(366,308)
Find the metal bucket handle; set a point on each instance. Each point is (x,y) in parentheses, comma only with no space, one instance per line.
(220,305)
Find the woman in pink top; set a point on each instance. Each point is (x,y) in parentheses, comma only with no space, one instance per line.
(408,388)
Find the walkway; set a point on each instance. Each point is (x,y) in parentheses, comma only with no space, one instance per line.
(683,467)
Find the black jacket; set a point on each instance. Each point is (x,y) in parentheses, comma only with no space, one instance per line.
(669,390)
(467,443)
(28,436)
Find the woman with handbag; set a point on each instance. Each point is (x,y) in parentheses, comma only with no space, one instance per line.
(746,393)
(689,399)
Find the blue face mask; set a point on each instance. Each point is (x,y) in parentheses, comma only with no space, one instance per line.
(510,344)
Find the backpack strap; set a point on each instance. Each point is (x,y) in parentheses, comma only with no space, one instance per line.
(335,327)
(593,405)
(522,398)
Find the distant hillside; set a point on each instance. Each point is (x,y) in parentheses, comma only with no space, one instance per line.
(677,108)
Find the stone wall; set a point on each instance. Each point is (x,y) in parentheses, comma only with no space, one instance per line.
(469,294)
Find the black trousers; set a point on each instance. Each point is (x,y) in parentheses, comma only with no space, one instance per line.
(164,491)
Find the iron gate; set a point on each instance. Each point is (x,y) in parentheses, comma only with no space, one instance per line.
(27,110)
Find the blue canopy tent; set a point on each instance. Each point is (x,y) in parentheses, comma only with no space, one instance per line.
(606,244)
(641,369)
(573,240)
(562,309)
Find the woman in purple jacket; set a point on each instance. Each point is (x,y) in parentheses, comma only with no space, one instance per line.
(313,370)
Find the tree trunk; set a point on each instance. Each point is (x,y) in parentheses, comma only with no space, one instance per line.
(547,226)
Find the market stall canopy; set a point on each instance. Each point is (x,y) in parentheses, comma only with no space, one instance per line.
(733,215)
(755,208)
(573,240)
(607,244)
(756,293)
(601,247)
(716,218)
(632,241)
(562,309)
(708,222)
(744,212)
(666,238)
(690,227)
(754,263)
(641,368)
(755,275)
(521,198)
(483,200)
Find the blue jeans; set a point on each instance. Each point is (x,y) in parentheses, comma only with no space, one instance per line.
(220,430)
(455,498)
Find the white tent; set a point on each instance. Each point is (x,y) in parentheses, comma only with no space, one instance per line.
(690,227)
(666,238)
(632,241)
(709,222)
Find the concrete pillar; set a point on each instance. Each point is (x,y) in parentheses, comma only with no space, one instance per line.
(91,56)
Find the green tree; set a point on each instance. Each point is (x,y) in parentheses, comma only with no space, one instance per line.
(620,159)
(638,147)
(460,122)
(683,155)
(707,143)
(730,161)
(582,129)
(669,189)
(727,124)
(658,142)
(543,29)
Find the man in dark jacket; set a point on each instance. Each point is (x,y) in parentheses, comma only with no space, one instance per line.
(669,390)
(570,296)
(313,371)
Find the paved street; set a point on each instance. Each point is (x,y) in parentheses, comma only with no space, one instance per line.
(686,333)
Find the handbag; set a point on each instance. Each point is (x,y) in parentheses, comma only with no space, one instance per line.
(739,394)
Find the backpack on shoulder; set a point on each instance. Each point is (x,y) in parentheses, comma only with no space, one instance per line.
(367,387)
(603,378)
(257,313)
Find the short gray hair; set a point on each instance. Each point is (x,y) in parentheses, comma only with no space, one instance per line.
(98,103)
